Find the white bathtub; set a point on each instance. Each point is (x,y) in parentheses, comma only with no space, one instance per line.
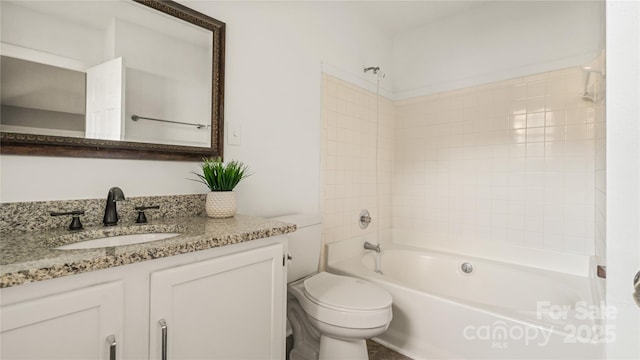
(498,311)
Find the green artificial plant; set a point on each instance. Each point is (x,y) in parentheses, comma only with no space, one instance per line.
(220,176)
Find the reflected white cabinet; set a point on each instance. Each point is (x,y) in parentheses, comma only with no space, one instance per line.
(224,308)
(71,325)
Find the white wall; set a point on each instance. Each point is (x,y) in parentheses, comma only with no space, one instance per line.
(623,175)
(25,27)
(496,41)
(274,53)
(462,202)
(273,80)
(167,78)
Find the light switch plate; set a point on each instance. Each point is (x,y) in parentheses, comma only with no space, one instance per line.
(234,133)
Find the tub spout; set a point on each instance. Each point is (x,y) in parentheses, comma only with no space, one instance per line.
(370,246)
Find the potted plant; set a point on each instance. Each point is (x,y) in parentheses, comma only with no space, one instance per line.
(221,178)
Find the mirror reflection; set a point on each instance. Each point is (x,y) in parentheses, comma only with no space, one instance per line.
(41,99)
(113,70)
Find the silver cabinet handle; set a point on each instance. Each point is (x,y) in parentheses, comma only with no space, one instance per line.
(164,328)
(111,340)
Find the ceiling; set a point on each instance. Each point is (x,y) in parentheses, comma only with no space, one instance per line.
(99,15)
(400,16)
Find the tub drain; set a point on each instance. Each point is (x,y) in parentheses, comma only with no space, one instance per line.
(466,268)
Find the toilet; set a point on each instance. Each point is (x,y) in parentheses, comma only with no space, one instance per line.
(330,315)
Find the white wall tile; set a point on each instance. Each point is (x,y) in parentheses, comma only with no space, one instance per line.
(514,163)
(520,161)
(350,160)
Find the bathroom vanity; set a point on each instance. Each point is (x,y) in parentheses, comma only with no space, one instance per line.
(218,290)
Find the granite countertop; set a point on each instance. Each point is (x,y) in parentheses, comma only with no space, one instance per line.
(31,256)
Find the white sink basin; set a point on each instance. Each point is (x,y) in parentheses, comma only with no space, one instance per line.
(117,241)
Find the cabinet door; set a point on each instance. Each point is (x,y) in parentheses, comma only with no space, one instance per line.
(232,307)
(71,325)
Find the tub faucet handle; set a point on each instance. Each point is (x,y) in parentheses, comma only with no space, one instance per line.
(365,219)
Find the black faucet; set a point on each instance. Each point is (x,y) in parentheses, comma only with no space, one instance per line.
(110,211)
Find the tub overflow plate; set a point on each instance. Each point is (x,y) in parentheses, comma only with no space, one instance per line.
(466,268)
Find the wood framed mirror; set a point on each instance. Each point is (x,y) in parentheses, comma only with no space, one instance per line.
(172,115)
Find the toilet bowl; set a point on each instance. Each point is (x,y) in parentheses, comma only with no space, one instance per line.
(330,315)
(343,310)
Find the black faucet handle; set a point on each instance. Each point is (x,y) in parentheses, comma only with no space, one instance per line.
(142,218)
(143,208)
(73,212)
(75,221)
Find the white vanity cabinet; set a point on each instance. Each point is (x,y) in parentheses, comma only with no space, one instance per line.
(79,324)
(226,308)
(223,303)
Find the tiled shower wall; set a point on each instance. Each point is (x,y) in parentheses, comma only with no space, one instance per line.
(350,134)
(511,162)
(518,162)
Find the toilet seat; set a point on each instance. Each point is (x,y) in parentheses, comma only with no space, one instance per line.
(345,293)
(342,311)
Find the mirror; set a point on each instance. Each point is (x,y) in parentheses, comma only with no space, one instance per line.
(139,79)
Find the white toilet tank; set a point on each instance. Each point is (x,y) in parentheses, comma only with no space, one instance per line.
(304,244)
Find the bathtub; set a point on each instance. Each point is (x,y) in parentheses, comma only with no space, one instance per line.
(495,311)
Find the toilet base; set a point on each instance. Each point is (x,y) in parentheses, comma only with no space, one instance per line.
(336,349)
(306,339)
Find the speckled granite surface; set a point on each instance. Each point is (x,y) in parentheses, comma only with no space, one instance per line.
(35,216)
(31,256)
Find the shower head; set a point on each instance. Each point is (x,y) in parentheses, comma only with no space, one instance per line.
(591,91)
(375,70)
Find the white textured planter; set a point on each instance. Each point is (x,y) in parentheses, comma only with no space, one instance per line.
(221,204)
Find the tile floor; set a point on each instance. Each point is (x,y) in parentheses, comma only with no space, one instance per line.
(379,352)
(375,351)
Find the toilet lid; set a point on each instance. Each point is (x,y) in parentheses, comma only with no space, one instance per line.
(346,292)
